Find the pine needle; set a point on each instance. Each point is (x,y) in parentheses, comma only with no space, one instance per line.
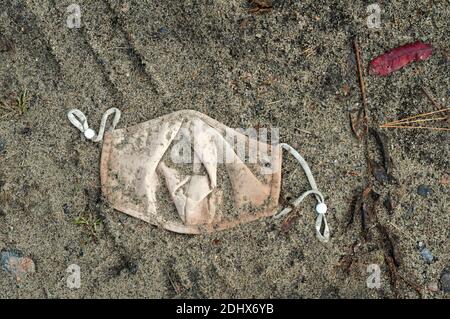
(417,127)
(419,118)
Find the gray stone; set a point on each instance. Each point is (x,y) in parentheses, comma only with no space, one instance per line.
(423,190)
(14,263)
(445,281)
(427,255)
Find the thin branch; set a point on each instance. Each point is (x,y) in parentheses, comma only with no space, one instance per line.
(430,98)
(360,75)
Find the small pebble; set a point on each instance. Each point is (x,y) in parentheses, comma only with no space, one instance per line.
(2,145)
(162,30)
(26,131)
(427,255)
(160,33)
(433,286)
(13,263)
(125,8)
(445,281)
(132,267)
(423,190)
(66,209)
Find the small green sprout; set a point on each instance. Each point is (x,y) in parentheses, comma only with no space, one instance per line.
(22,102)
(90,223)
(20,106)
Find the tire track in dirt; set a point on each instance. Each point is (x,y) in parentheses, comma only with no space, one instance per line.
(65,42)
(29,30)
(78,62)
(112,87)
(116,56)
(145,69)
(92,83)
(176,47)
(106,68)
(31,67)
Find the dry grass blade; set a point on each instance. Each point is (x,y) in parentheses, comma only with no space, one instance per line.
(8,110)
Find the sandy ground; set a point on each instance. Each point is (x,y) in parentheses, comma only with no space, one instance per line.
(292,68)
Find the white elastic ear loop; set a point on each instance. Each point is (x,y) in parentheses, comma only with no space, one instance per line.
(79,120)
(321,208)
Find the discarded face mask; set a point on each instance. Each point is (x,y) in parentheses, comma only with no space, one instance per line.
(190,174)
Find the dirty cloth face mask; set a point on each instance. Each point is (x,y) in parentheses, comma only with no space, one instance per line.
(185,172)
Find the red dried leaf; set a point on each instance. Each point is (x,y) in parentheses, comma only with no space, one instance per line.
(397,58)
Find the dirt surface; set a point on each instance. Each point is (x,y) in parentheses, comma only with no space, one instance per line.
(292,68)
